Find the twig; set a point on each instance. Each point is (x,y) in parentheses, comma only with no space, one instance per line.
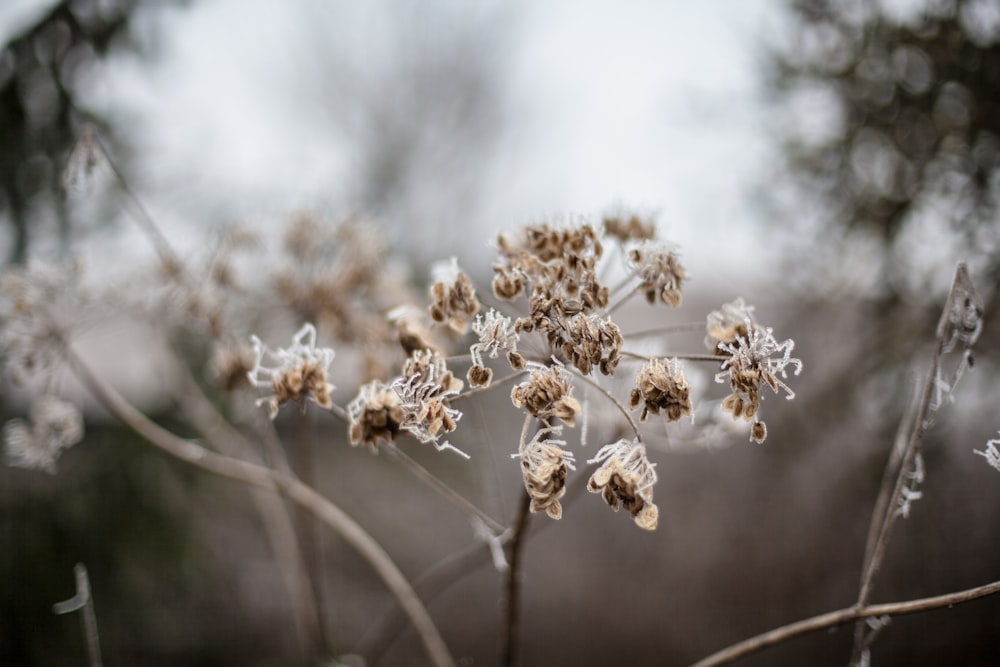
(622,301)
(604,392)
(493,385)
(455,498)
(258,475)
(885,512)
(512,588)
(683,357)
(688,327)
(840,617)
(85,601)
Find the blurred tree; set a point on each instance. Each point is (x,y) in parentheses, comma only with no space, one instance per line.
(893,128)
(39,72)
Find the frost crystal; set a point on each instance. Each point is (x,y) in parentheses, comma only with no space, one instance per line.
(991,453)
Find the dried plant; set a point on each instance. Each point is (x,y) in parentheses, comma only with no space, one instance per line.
(553,336)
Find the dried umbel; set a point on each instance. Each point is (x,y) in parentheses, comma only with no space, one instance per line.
(424,391)
(625,479)
(661,386)
(659,270)
(755,360)
(544,466)
(547,396)
(55,425)
(300,371)
(454,301)
(376,414)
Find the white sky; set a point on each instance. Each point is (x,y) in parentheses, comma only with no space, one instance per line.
(651,104)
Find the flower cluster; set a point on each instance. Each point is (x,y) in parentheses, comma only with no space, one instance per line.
(424,391)
(556,267)
(54,425)
(661,386)
(453,297)
(626,226)
(300,371)
(750,363)
(625,479)
(544,465)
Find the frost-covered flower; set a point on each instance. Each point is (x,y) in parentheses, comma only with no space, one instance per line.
(661,386)
(54,425)
(625,479)
(544,466)
(454,297)
(300,371)
(991,453)
(375,414)
(424,391)
(725,324)
(659,268)
(547,395)
(496,332)
(752,363)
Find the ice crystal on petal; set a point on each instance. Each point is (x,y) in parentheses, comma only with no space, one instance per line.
(424,390)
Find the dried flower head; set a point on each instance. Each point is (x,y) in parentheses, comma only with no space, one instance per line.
(752,363)
(626,226)
(546,395)
(991,453)
(625,479)
(544,466)
(231,365)
(725,324)
(424,391)
(54,425)
(413,334)
(300,371)
(453,297)
(661,386)
(496,332)
(375,414)
(660,270)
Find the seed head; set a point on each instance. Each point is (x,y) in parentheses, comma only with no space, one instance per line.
(54,425)
(660,271)
(661,386)
(453,297)
(544,465)
(547,396)
(625,479)
(300,371)
(424,391)
(375,414)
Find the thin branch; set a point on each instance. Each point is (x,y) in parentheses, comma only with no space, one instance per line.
(622,301)
(688,327)
(840,617)
(83,600)
(296,491)
(885,513)
(719,358)
(452,496)
(604,392)
(512,589)
(496,383)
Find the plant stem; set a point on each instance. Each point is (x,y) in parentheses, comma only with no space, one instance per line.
(261,476)
(512,590)
(840,617)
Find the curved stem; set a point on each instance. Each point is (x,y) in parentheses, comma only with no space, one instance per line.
(615,401)
(292,487)
(840,617)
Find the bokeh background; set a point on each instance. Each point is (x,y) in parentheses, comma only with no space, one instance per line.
(828,161)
